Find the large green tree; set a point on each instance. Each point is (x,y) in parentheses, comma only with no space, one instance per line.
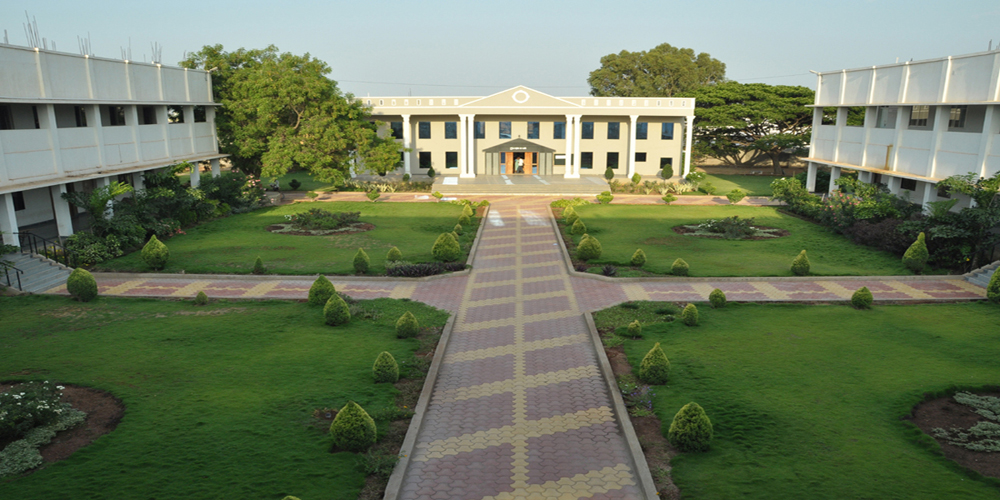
(663,71)
(280,110)
(742,123)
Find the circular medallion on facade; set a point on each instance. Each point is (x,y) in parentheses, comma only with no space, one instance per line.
(520,97)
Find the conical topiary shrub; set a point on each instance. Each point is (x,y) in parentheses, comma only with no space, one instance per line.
(993,288)
(679,268)
(588,248)
(258,266)
(655,367)
(361,262)
(691,429)
(353,429)
(81,285)
(393,255)
(862,298)
(385,369)
(690,315)
(321,291)
(464,220)
(569,215)
(457,229)
(638,258)
(635,330)
(800,264)
(916,256)
(201,299)
(468,211)
(578,227)
(446,248)
(336,311)
(717,298)
(407,326)
(155,254)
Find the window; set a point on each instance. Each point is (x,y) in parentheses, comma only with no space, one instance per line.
(886,117)
(829,116)
(942,192)
(614,129)
(908,184)
(127,178)
(856,116)
(6,118)
(402,157)
(921,117)
(424,130)
(956,118)
(80,113)
(667,132)
(199,114)
(148,115)
(612,160)
(175,114)
(586,160)
(559,160)
(18,200)
(640,157)
(116,116)
(666,162)
(559,130)
(532,130)
(451,130)
(451,159)
(480,130)
(587,132)
(505,130)
(641,130)
(425,159)
(397,129)
(34,113)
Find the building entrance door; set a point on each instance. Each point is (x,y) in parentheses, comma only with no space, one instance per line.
(520,163)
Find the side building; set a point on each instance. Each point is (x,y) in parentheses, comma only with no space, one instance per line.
(523,131)
(75,123)
(909,125)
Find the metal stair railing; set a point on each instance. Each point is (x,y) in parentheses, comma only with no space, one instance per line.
(46,248)
(7,268)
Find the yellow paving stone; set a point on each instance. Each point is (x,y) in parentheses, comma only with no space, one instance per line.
(703,289)
(770,291)
(492,352)
(402,292)
(837,289)
(260,289)
(635,291)
(191,289)
(124,287)
(907,289)
(57,289)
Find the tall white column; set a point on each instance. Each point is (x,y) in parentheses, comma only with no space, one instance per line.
(64,220)
(811,172)
(407,145)
(834,175)
(138,181)
(577,132)
(688,133)
(470,147)
(195,174)
(8,219)
(216,169)
(466,146)
(569,174)
(631,146)
(929,194)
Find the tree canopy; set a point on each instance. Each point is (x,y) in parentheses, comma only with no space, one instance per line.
(280,110)
(664,71)
(740,123)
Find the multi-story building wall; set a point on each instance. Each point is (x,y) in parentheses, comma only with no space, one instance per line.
(470,136)
(909,125)
(73,123)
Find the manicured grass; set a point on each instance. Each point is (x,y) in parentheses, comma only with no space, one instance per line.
(752,185)
(306,178)
(218,399)
(622,229)
(230,245)
(806,401)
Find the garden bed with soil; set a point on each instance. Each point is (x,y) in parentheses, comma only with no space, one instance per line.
(773,232)
(946,413)
(290,229)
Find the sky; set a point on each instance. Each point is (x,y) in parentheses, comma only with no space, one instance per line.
(450,47)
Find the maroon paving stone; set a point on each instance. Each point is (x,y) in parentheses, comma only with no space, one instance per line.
(539,238)
(547,286)
(495,262)
(542,271)
(559,358)
(874,286)
(680,297)
(492,276)
(478,314)
(471,475)
(547,247)
(481,339)
(493,292)
(891,296)
(446,419)
(553,328)
(546,305)
(577,451)
(731,286)
(566,397)
(481,371)
(927,286)
(753,296)
(496,251)
(540,258)
(798,286)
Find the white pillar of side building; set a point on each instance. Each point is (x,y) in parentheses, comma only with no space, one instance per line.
(467,145)
(929,194)
(631,146)
(138,181)
(8,219)
(64,219)
(195,174)
(811,171)
(688,133)
(470,148)
(834,175)
(568,132)
(216,169)
(894,184)
(577,133)
(463,149)
(407,144)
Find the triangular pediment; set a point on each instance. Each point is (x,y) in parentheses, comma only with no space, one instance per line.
(520,96)
(519,145)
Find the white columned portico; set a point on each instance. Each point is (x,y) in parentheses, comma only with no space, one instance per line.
(64,220)
(688,133)
(570,134)
(631,146)
(8,219)
(467,145)
(407,145)
(577,131)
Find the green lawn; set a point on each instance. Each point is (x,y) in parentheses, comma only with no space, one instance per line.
(752,185)
(218,398)
(304,177)
(622,229)
(806,400)
(231,244)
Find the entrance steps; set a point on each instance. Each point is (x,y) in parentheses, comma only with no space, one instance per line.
(519,184)
(40,273)
(982,275)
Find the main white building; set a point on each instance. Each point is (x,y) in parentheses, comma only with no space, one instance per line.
(73,123)
(924,121)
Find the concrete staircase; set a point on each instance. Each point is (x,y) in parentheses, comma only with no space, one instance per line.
(982,275)
(40,274)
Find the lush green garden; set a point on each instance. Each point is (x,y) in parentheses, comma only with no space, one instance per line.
(219,399)
(621,229)
(806,401)
(751,185)
(230,245)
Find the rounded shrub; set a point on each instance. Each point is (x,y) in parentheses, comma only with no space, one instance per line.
(578,227)
(993,288)
(605,197)
(393,255)
(353,429)
(155,254)
(446,248)
(361,262)
(569,215)
(609,173)
(735,196)
(916,256)
(635,329)
(691,429)
(321,291)
(336,311)
(258,266)
(669,198)
(862,298)
(717,298)
(407,326)
(385,369)
(464,220)
(800,264)
(638,258)
(458,229)
(679,268)
(655,367)
(636,178)
(82,285)
(406,177)
(468,211)
(690,315)
(289,497)
(201,299)
(588,248)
